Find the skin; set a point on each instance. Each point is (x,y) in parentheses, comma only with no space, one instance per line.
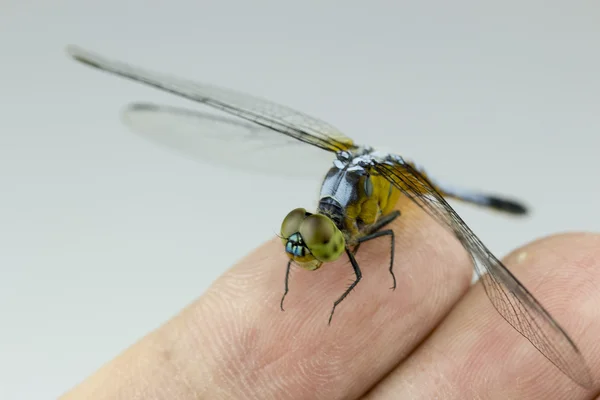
(434,337)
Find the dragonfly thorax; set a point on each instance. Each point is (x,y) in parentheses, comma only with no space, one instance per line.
(354,194)
(344,182)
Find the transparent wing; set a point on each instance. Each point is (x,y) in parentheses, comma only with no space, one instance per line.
(512,300)
(223,140)
(277,118)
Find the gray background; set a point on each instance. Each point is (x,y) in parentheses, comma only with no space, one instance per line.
(104,235)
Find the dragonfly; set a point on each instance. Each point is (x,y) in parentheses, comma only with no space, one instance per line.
(358,194)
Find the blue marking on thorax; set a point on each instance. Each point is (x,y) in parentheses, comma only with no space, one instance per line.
(340,185)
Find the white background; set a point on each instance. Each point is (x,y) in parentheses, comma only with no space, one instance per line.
(103,236)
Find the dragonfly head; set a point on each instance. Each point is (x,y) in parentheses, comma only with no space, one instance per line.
(311,239)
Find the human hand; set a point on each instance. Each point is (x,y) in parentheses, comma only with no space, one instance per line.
(434,337)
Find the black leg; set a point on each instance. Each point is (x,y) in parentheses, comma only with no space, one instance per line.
(375,235)
(287,278)
(383,221)
(358,276)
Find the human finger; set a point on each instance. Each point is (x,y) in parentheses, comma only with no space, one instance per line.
(476,354)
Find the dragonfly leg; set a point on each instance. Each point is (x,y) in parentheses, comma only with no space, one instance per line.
(375,235)
(358,277)
(383,221)
(287,279)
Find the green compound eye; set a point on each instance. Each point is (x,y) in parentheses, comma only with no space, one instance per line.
(322,238)
(291,223)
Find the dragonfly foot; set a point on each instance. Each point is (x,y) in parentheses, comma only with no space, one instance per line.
(287,279)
